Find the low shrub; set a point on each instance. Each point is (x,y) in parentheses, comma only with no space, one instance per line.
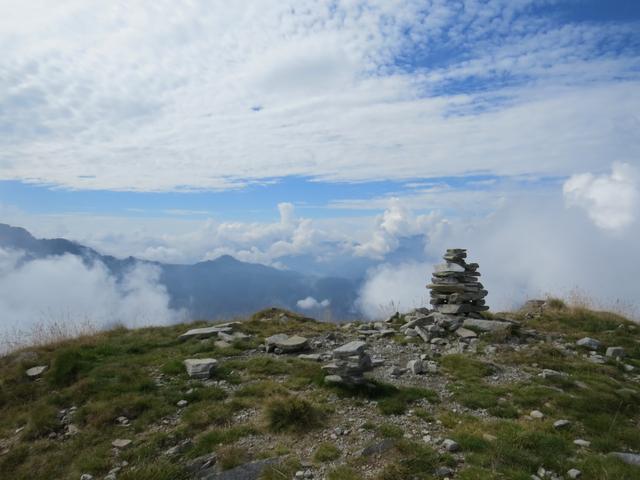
(292,414)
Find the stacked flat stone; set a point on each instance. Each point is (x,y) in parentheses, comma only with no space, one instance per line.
(350,362)
(455,289)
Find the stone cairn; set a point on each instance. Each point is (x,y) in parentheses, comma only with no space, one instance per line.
(350,362)
(455,289)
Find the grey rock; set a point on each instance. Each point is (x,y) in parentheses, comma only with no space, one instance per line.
(182,403)
(450,445)
(628,458)
(205,332)
(615,352)
(36,372)
(588,342)
(200,368)
(248,471)
(582,443)
(486,325)
(548,373)
(333,380)
(444,472)
(466,333)
(121,443)
(314,357)
(349,349)
(86,476)
(201,465)
(378,448)
(415,366)
(286,343)
(574,473)
(560,424)
(537,414)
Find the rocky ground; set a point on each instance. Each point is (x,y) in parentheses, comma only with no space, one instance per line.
(546,392)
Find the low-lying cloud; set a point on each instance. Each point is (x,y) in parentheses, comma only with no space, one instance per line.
(64,291)
(311,303)
(611,201)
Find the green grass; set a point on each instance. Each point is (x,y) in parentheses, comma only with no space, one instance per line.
(293,414)
(343,472)
(326,452)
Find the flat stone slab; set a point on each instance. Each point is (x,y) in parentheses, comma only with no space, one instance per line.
(615,352)
(205,332)
(35,372)
(248,471)
(590,343)
(200,368)
(121,443)
(349,349)
(466,333)
(486,325)
(286,343)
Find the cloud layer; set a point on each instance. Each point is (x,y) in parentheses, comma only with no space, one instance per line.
(218,95)
(64,292)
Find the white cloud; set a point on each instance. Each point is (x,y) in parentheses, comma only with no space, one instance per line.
(119,105)
(611,201)
(528,248)
(63,290)
(310,303)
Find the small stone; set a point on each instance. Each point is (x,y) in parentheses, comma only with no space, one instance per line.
(590,343)
(299,474)
(615,352)
(548,373)
(378,448)
(574,473)
(451,445)
(333,380)
(559,424)
(537,414)
(182,403)
(628,458)
(581,443)
(466,333)
(86,476)
(36,372)
(200,368)
(444,472)
(121,442)
(415,367)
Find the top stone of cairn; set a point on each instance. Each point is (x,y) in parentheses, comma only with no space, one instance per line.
(455,288)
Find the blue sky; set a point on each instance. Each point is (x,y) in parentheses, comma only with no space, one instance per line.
(322,129)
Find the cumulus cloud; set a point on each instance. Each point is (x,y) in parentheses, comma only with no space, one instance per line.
(63,290)
(611,201)
(528,248)
(310,303)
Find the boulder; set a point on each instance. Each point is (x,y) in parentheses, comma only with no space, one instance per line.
(200,368)
(415,366)
(121,443)
(615,352)
(283,343)
(349,349)
(590,343)
(450,445)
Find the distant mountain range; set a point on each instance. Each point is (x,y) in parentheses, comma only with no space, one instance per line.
(223,287)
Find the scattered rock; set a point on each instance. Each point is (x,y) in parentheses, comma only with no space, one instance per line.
(466,333)
(590,343)
(615,352)
(560,424)
(628,458)
(548,373)
(182,403)
(415,367)
(205,332)
(350,362)
(121,443)
(36,372)
(200,368)
(581,443)
(378,448)
(248,471)
(487,325)
(444,472)
(450,445)
(86,476)
(537,414)
(574,473)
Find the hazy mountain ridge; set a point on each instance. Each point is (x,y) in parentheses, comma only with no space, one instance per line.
(218,288)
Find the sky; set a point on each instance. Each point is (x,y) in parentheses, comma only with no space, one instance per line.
(342,137)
